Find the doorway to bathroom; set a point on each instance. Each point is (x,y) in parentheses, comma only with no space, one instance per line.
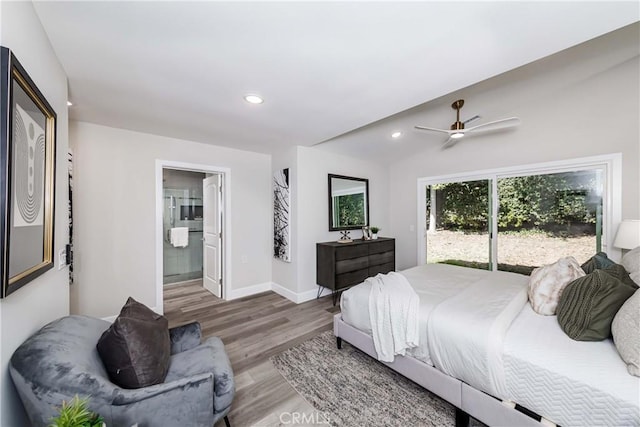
(191,217)
(182,226)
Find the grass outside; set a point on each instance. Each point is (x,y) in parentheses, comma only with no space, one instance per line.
(519,252)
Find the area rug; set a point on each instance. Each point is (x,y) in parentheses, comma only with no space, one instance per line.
(349,388)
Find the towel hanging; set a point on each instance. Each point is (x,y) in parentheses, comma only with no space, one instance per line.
(180,237)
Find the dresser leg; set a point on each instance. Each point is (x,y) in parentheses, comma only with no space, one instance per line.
(339,343)
(335,295)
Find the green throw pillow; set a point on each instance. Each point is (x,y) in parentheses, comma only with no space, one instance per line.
(620,273)
(596,262)
(588,305)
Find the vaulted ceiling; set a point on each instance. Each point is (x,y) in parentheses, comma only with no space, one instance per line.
(324,69)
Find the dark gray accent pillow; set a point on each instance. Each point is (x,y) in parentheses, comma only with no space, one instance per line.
(136,348)
(588,305)
(596,262)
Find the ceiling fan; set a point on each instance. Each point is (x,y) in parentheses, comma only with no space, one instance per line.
(458,131)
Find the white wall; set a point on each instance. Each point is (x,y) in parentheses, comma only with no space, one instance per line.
(47,297)
(313,209)
(309,168)
(114,214)
(570,107)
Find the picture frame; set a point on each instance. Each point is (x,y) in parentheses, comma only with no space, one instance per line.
(27,177)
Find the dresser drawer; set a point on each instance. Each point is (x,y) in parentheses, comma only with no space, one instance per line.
(351,251)
(342,265)
(382,268)
(382,258)
(379,247)
(353,264)
(351,278)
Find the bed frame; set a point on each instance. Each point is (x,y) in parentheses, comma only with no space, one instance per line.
(467,400)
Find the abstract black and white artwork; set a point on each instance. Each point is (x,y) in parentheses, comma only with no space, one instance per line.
(282,215)
(27,171)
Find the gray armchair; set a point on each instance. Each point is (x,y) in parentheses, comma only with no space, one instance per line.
(61,360)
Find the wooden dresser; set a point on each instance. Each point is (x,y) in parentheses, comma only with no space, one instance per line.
(341,265)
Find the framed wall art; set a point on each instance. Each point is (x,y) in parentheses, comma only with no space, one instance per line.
(27,177)
(281,215)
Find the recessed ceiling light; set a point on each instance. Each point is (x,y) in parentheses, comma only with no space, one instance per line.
(253,99)
(396,135)
(69,103)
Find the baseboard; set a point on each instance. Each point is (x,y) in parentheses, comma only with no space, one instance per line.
(285,292)
(307,296)
(294,296)
(248,291)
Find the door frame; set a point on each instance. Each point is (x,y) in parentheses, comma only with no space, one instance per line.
(226,223)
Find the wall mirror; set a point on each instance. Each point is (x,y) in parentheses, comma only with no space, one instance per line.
(348,202)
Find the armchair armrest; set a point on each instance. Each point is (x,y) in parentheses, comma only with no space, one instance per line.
(128,396)
(183,401)
(185,337)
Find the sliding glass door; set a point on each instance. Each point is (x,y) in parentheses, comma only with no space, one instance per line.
(517,220)
(548,216)
(458,218)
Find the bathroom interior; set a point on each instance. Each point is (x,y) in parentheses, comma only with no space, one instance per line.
(182,226)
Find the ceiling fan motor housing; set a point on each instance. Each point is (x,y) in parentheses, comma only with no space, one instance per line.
(457,105)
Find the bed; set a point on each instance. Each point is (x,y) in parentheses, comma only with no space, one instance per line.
(484,349)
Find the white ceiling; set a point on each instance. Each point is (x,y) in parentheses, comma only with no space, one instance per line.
(180,69)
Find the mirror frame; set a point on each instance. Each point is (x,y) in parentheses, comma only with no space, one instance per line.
(351,227)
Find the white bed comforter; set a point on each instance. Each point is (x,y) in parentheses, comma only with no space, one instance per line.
(466,331)
(463,317)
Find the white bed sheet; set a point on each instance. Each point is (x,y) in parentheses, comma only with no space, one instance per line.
(568,382)
(433,283)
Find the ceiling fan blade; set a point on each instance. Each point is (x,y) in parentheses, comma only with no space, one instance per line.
(497,124)
(432,129)
(449,143)
(471,119)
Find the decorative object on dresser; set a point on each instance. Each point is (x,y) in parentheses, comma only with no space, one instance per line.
(339,266)
(374,232)
(366,233)
(345,238)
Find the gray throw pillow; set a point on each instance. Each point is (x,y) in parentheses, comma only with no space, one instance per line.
(631,263)
(588,305)
(136,348)
(626,333)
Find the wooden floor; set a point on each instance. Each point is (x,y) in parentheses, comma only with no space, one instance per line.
(253,329)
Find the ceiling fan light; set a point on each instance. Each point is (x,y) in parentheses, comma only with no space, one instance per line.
(253,99)
(457,135)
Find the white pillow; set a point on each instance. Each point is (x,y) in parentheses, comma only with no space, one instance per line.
(631,263)
(626,333)
(547,282)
